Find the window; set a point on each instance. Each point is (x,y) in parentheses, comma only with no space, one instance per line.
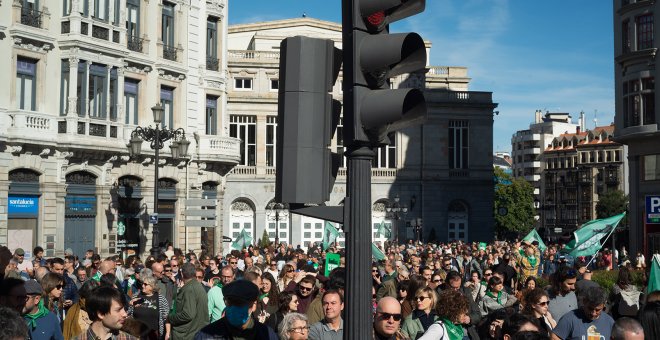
(132,19)
(458,144)
(652,168)
(131,88)
(66,7)
(211,115)
(26,84)
(274,84)
(64,89)
(116,7)
(167,101)
(625,36)
(386,155)
(212,44)
(245,128)
(101,9)
(97,91)
(167,31)
(243,84)
(639,102)
(644,31)
(271,137)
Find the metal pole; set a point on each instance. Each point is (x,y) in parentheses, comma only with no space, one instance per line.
(154,229)
(277,227)
(358,245)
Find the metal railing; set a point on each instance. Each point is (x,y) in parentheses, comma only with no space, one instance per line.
(170,52)
(134,43)
(212,63)
(31,17)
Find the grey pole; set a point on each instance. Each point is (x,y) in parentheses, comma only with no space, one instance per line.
(154,229)
(358,245)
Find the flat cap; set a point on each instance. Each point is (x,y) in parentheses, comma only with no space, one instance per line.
(19,251)
(241,291)
(33,287)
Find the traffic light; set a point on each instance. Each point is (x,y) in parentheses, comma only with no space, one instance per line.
(307,117)
(371,57)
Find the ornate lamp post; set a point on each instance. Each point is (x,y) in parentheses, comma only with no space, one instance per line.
(395,211)
(157,137)
(275,211)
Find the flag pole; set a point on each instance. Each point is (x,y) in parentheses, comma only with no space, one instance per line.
(602,244)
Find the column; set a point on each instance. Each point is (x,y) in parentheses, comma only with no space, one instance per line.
(108,97)
(261,144)
(73,86)
(120,95)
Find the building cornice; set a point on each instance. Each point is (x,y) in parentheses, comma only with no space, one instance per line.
(286,23)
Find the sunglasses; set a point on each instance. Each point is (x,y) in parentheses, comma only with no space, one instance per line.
(233,262)
(59,286)
(543,303)
(199,277)
(421,298)
(306,289)
(488,274)
(168,270)
(387,316)
(144,284)
(289,271)
(436,281)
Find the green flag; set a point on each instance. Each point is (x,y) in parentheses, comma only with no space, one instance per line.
(330,234)
(377,253)
(384,231)
(534,236)
(587,238)
(482,245)
(654,277)
(242,241)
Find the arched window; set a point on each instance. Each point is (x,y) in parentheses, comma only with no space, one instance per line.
(241,217)
(457,225)
(277,221)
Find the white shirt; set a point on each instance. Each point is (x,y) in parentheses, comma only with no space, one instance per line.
(437,331)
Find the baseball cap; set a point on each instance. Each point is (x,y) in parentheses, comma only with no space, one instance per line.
(19,252)
(33,287)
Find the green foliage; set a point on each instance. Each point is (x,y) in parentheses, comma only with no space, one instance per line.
(610,203)
(264,242)
(518,198)
(607,279)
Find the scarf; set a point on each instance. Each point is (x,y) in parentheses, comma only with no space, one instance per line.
(455,331)
(32,318)
(498,298)
(262,296)
(532,260)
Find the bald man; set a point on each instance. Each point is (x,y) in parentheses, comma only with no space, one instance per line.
(627,329)
(166,286)
(387,320)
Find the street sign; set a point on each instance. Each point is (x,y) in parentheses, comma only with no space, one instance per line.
(201,212)
(653,209)
(153,219)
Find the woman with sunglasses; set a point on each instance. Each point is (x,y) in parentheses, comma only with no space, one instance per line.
(288,303)
(423,316)
(53,285)
(536,306)
(451,308)
(286,276)
(410,303)
(151,308)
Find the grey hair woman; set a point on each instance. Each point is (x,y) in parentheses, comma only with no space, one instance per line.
(294,327)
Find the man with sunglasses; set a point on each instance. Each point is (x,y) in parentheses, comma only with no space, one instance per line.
(387,320)
(303,286)
(216,301)
(165,285)
(562,293)
(42,323)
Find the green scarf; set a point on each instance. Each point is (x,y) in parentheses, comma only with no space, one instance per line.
(262,296)
(532,260)
(218,283)
(32,318)
(455,331)
(499,296)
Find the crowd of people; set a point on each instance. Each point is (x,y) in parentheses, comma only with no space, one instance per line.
(449,291)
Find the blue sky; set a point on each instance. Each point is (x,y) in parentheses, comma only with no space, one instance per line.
(549,55)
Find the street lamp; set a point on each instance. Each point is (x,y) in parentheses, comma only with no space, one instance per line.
(395,211)
(275,212)
(416,224)
(158,136)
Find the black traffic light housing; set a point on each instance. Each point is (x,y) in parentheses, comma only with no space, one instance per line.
(307,119)
(371,57)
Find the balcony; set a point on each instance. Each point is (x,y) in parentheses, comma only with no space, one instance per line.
(460,97)
(31,17)
(212,63)
(252,56)
(170,52)
(220,149)
(134,43)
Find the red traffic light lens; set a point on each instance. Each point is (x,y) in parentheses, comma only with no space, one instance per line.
(376,19)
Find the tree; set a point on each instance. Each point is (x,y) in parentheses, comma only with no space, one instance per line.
(612,202)
(516,196)
(264,242)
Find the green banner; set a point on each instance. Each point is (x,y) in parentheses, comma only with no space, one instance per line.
(331,262)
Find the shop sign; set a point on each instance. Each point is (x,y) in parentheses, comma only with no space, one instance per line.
(653,209)
(23,205)
(80,205)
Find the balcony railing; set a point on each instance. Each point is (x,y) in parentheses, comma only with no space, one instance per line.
(100,32)
(253,55)
(134,43)
(170,52)
(31,17)
(212,63)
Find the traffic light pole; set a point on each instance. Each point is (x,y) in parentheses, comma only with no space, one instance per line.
(358,321)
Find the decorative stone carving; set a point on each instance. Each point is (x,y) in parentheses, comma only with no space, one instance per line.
(378,207)
(81,177)
(146,160)
(15,149)
(84,165)
(214,84)
(125,158)
(44,152)
(241,206)
(24,176)
(112,159)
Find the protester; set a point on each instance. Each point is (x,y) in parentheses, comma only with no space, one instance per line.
(77,319)
(517,323)
(42,323)
(294,327)
(649,317)
(105,307)
(12,326)
(588,320)
(286,276)
(190,313)
(53,284)
(625,296)
(495,297)
(562,293)
(12,294)
(627,329)
(304,287)
(241,298)
(332,325)
(452,309)
(151,308)
(388,320)
(536,306)
(415,324)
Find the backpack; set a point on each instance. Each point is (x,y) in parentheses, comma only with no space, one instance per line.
(629,302)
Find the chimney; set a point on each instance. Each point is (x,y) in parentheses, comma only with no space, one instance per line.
(578,129)
(537,116)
